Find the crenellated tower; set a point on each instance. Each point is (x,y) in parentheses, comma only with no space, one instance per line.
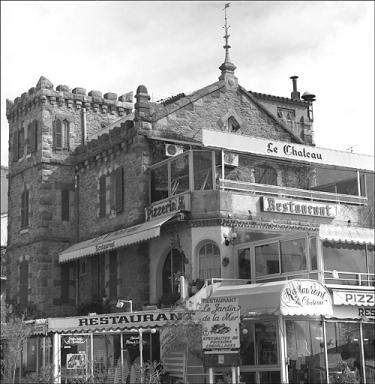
(46,124)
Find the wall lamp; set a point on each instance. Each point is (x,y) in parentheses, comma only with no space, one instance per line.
(230,237)
(121,303)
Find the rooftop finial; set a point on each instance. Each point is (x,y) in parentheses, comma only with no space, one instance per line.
(226,36)
(227,67)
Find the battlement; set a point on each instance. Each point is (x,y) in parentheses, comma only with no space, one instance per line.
(77,98)
(116,139)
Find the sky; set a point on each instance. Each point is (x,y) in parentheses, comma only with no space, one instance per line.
(174,47)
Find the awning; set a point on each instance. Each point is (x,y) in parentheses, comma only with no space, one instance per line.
(302,297)
(130,321)
(340,233)
(113,240)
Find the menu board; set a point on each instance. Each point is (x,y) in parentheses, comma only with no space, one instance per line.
(220,322)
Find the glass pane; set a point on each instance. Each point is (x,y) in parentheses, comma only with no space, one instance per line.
(369,351)
(371,259)
(248,378)
(293,255)
(305,352)
(159,183)
(267,259)
(209,262)
(244,271)
(343,348)
(180,174)
(247,343)
(344,257)
(313,253)
(202,170)
(266,342)
(269,377)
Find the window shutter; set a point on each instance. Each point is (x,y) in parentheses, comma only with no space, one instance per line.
(102,196)
(25,209)
(15,146)
(112,191)
(65,206)
(65,280)
(58,134)
(65,134)
(24,283)
(119,190)
(34,136)
(113,274)
(29,138)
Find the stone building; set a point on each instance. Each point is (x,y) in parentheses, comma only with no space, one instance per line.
(113,201)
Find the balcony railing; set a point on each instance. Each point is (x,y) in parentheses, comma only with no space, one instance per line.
(290,192)
(349,278)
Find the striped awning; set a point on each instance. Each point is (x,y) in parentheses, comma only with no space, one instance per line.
(114,240)
(347,234)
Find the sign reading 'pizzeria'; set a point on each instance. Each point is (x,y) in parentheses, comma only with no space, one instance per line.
(297,207)
(174,204)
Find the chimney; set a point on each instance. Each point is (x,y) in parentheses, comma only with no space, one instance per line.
(295,95)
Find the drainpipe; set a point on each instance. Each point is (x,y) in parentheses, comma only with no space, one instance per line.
(76,203)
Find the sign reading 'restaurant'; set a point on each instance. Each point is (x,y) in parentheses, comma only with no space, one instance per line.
(304,297)
(296,207)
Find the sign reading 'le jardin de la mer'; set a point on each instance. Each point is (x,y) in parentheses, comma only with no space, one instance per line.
(297,207)
(221,323)
(171,205)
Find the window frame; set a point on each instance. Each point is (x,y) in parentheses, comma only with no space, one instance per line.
(61,133)
(65,205)
(308,238)
(199,247)
(25,208)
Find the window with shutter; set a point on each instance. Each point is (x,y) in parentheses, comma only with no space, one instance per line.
(112,192)
(24,283)
(25,209)
(58,135)
(21,142)
(66,134)
(65,282)
(65,206)
(102,196)
(15,146)
(113,275)
(34,135)
(119,190)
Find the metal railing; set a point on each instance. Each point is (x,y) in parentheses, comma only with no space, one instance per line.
(349,278)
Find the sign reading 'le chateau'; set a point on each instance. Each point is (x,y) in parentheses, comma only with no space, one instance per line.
(291,150)
(297,207)
(174,204)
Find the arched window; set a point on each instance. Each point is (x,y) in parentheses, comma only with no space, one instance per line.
(209,261)
(264,174)
(173,266)
(61,134)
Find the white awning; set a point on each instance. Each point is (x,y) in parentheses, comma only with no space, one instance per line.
(113,240)
(302,297)
(340,233)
